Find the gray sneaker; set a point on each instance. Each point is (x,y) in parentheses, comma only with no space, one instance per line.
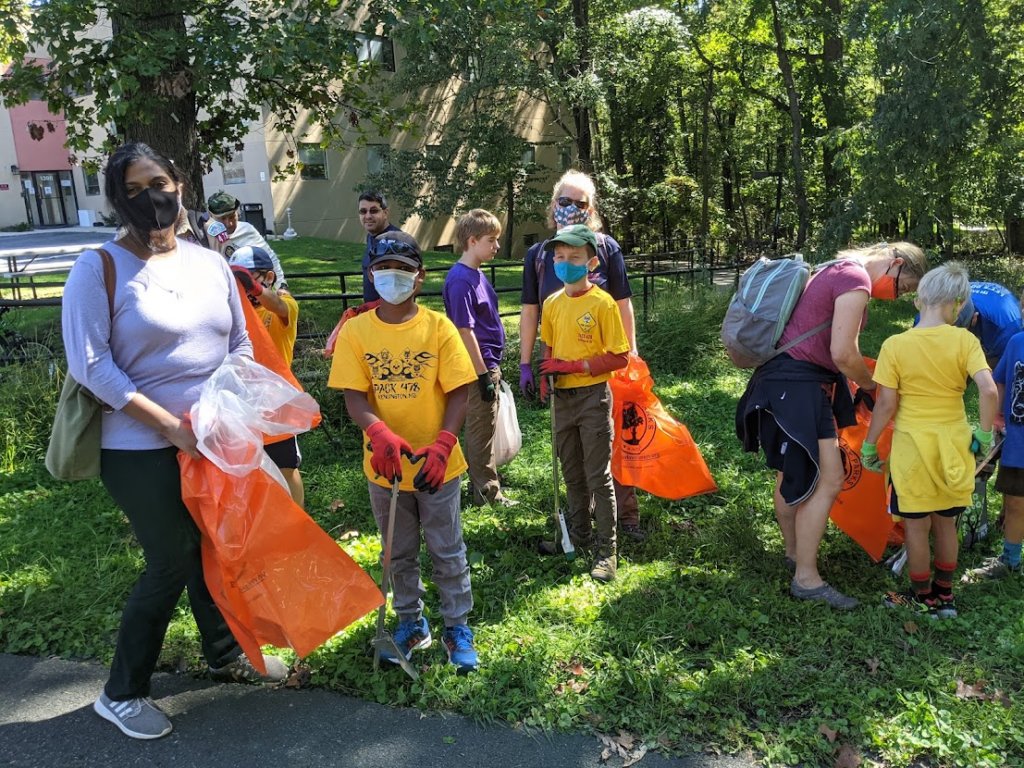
(137,718)
(241,670)
(991,570)
(826,593)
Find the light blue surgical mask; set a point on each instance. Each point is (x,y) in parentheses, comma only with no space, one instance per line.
(394,285)
(570,273)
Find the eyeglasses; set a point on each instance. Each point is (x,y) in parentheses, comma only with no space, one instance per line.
(565,202)
(369,211)
(397,247)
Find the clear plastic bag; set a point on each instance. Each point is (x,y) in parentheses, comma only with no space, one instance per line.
(239,404)
(508,439)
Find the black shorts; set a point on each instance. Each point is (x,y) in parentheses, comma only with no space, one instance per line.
(894,507)
(1010,480)
(285,454)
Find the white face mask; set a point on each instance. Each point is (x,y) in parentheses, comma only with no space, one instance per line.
(394,285)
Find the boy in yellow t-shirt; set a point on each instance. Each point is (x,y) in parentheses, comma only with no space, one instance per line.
(279,312)
(586,341)
(405,372)
(921,376)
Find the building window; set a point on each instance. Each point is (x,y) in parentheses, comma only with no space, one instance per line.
(313,160)
(92,182)
(234,171)
(377,49)
(529,155)
(375,155)
(565,158)
(529,240)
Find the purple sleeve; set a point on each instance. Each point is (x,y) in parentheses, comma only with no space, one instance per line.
(86,323)
(618,283)
(458,301)
(531,290)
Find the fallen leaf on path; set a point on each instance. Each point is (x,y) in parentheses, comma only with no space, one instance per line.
(348,536)
(872,665)
(635,757)
(337,504)
(299,678)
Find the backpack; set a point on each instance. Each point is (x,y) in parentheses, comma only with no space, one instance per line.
(758,312)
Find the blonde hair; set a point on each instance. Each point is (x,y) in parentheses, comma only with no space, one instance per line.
(476,223)
(582,182)
(914,259)
(947,284)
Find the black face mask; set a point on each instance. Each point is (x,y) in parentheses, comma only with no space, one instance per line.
(151,209)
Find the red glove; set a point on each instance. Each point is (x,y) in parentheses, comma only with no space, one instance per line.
(431,474)
(245,279)
(545,388)
(351,312)
(387,449)
(557,367)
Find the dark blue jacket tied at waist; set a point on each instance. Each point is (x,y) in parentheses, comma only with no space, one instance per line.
(779,412)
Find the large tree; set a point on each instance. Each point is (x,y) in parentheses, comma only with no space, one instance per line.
(188,76)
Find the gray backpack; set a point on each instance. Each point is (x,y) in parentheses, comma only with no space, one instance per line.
(764,301)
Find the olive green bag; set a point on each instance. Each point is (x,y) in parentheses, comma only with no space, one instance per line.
(74,449)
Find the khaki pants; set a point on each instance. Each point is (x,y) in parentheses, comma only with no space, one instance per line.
(481,418)
(583,436)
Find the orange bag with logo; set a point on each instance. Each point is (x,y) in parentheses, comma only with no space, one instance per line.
(861,510)
(650,449)
(277,577)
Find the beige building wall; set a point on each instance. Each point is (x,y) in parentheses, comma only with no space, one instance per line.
(12,204)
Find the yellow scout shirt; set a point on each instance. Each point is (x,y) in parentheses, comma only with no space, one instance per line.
(578,327)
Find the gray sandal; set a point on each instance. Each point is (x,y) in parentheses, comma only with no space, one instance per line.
(826,593)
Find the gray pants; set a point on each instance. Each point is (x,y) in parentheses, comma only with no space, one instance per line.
(583,434)
(440,519)
(481,418)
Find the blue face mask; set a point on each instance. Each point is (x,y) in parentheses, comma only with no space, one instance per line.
(570,273)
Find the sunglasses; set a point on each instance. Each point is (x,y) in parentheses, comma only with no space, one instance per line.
(565,202)
(397,247)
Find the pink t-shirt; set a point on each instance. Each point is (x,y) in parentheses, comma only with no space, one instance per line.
(818,305)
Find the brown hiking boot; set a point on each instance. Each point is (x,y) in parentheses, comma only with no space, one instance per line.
(604,569)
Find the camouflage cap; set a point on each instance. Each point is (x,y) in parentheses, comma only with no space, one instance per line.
(221,202)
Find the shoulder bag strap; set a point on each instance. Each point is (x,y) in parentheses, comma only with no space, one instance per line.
(109,278)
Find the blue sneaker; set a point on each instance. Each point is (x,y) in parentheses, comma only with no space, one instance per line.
(458,641)
(410,636)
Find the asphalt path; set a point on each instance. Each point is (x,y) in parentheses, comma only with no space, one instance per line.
(46,721)
(48,250)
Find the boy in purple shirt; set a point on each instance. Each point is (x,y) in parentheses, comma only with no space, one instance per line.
(472,305)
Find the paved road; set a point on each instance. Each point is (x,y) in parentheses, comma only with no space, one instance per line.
(48,249)
(46,721)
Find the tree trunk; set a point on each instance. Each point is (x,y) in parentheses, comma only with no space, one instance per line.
(833,98)
(705,162)
(1014,234)
(510,193)
(581,112)
(172,130)
(796,148)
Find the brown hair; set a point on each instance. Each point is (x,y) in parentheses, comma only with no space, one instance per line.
(476,223)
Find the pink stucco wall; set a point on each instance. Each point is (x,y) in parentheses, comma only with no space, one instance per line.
(46,155)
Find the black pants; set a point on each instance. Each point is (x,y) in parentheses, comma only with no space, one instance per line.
(147,487)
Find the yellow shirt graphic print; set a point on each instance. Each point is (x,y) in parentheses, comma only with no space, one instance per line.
(406,371)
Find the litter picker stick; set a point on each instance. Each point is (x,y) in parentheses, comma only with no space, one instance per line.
(567,547)
(383,638)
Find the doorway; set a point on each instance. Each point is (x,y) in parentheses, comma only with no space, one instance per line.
(49,198)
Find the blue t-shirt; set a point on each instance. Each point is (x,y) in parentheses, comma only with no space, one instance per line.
(609,275)
(471,302)
(369,292)
(998,316)
(1010,374)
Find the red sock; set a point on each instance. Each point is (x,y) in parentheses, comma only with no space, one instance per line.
(921,583)
(944,578)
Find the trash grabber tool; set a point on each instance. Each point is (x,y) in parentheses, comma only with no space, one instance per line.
(383,638)
(567,547)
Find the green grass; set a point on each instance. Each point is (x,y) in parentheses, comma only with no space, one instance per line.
(696,645)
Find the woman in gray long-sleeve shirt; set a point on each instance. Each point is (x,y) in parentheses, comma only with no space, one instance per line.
(176,315)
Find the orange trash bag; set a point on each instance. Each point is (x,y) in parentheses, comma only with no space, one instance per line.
(650,449)
(277,577)
(861,510)
(265,353)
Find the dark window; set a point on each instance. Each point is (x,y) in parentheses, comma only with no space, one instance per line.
(314,161)
(92,183)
